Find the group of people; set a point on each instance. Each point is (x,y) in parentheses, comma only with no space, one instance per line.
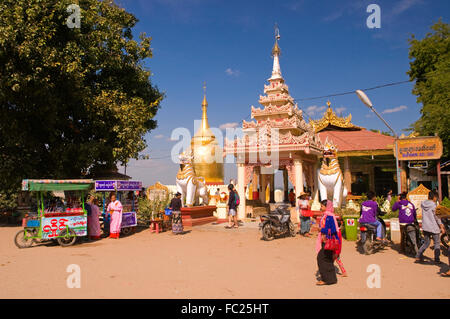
(113,211)
(329,241)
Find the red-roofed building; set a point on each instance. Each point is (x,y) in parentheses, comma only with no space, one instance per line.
(366,157)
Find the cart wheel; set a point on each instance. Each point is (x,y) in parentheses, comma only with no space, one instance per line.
(67,238)
(126,231)
(22,240)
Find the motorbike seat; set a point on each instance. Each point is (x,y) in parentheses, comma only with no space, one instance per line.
(369,226)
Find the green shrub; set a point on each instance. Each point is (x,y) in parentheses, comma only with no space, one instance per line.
(446,202)
(151,209)
(8,201)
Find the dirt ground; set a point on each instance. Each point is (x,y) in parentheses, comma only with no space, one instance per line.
(207,262)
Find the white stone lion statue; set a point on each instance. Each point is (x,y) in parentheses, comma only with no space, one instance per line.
(331,181)
(189,185)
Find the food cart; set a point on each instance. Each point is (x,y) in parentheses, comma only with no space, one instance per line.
(62,220)
(125,191)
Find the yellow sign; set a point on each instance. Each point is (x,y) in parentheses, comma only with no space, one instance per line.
(419,148)
(417,196)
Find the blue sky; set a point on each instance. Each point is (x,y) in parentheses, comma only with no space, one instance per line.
(326,48)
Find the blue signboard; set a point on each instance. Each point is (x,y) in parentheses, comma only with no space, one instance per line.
(105,185)
(129,219)
(129,185)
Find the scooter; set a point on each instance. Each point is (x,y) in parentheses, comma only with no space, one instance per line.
(277,223)
(368,235)
(407,246)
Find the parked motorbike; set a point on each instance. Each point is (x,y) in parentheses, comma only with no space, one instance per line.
(368,235)
(445,238)
(407,246)
(277,223)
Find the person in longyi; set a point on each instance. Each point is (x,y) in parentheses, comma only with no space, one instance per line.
(115,209)
(94,230)
(177,222)
(329,229)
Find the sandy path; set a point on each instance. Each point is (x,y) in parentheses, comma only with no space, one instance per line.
(208,262)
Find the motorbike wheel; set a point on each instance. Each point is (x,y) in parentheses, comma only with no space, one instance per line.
(367,246)
(267,232)
(68,238)
(126,231)
(291,229)
(410,250)
(23,241)
(445,240)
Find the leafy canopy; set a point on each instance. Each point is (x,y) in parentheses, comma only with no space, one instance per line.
(431,71)
(71,99)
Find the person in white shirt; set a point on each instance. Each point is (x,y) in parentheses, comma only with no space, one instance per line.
(304,210)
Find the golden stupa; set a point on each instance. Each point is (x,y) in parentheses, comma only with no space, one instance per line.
(208,160)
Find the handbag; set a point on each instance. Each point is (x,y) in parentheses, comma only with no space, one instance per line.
(307,213)
(331,243)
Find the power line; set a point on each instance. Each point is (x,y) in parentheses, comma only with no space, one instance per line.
(353,91)
(344,93)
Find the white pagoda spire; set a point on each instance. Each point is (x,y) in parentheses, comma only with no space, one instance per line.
(276,70)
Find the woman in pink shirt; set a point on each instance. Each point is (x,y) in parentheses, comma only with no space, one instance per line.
(115,209)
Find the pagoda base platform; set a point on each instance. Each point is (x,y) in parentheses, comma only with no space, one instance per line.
(198,215)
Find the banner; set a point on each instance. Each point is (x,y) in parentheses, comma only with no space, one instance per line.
(419,148)
(105,185)
(129,185)
(52,226)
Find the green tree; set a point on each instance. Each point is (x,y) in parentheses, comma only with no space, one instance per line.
(71,99)
(431,71)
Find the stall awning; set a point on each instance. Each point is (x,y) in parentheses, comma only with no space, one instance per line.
(56,184)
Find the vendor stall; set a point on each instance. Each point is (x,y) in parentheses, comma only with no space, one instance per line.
(126,194)
(60,213)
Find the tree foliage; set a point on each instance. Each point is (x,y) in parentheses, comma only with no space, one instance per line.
(71,99)
(431,71)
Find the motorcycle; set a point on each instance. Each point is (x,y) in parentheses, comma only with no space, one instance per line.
(368,234)
(277,223)
(445,238)
(407,246)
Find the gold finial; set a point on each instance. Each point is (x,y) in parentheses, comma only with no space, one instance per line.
(328,103)
(276,49)
(204,103)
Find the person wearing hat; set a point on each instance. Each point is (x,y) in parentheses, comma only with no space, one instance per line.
(175,206)
(303,208)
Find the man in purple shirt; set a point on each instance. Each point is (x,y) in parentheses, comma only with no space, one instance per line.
(406,210)
(369,213)
(406,215)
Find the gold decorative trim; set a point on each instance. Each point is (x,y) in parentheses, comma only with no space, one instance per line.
(419,190)
(158,185)
(330,118)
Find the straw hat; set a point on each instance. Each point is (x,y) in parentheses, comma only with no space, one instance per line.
(302,193)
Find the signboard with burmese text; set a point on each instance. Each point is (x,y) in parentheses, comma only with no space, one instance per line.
(419,148)
(417,196)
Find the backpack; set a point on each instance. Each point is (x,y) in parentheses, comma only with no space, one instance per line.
(236,199)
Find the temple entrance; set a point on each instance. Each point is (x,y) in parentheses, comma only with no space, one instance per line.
(384,180)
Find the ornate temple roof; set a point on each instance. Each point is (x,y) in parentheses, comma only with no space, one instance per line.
(359,143)
(351,140)
(331,121)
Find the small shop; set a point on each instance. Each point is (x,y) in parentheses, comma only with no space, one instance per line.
(59,213)
(126,192)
